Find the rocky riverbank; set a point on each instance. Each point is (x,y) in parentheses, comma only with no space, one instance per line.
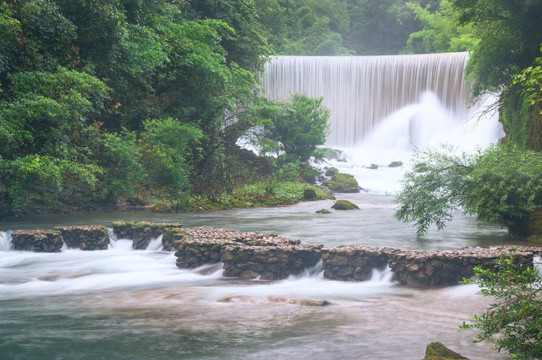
(251,255)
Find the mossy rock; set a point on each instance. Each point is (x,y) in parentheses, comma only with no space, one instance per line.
(332,171)
(342,183)
(323,211)
(373,167)
(309,194)
(344,205)
(437,351)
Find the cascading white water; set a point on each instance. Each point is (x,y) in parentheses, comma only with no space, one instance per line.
(383,107)
(425,94)
(5,240)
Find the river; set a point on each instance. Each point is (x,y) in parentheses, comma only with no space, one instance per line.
(126,304)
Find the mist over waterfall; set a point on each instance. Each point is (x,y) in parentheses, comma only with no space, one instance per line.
(394,102)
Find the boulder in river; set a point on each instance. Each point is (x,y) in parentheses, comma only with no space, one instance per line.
(344,205)
(342,183)
(437,351)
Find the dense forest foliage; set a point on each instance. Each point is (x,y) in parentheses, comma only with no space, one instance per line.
(130,99)
(363,27)
(102,101)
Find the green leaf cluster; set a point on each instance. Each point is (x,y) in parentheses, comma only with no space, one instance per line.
(514,321)
(521,108)
(103,100)
(500,185)
(440,30)
(510,37)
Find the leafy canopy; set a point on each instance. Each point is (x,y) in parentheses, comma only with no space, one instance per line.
(510,36)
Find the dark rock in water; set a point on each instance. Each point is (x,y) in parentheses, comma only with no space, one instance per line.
(141,232)
(332,154)
(323,211)
(342,160)
(344,205)
(37,240)
(319,179)
(437,351)
(373,167)
(342,183)
(85,237)
(302,302)
(331,171)
(309,194)
(395,164)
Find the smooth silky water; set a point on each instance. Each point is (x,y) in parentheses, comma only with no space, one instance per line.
(122,303)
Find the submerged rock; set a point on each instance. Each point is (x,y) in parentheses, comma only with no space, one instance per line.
(342,183)
(344,205)
(332,154)
(437,351)
(323,211)
(302,302)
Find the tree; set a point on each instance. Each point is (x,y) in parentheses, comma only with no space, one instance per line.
(440,31)
(308,27)
(293,130)
(521,108)
(510,37)
(514,321)
(165,145)
(501,185)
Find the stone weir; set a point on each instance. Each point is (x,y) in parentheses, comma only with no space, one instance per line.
(250,255)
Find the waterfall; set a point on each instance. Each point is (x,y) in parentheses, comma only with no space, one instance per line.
(5,241)
(362,92)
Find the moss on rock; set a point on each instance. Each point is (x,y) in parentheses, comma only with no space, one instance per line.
(437,351)
(342,183)
(332,171)
(310,194)
(344,205)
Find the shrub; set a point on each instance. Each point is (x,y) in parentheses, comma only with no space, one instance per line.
(514,321)
(501,185)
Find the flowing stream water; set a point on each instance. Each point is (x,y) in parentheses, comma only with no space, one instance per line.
(122,303)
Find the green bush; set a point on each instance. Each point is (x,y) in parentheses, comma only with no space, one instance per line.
(500,185)
(514,320)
